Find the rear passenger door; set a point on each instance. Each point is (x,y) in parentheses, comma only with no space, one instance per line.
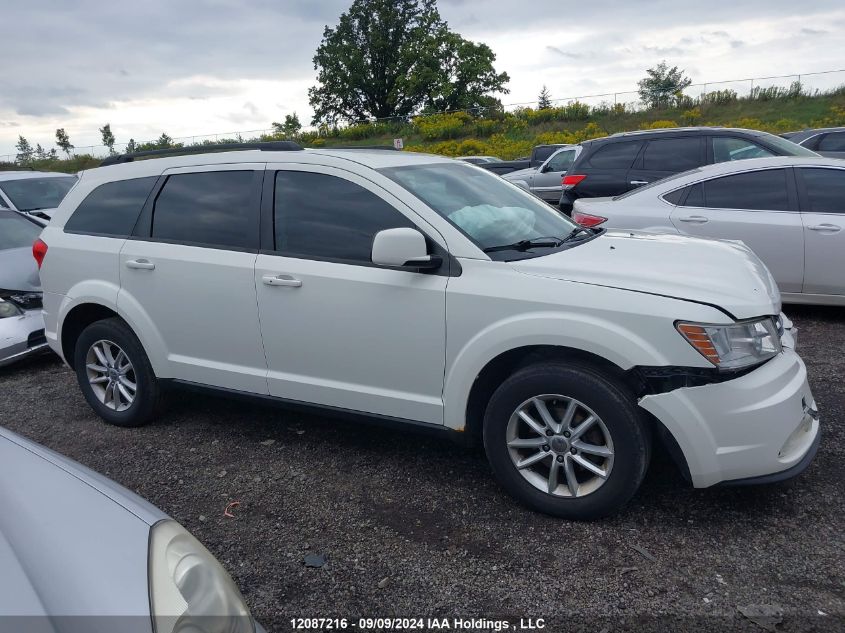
(606,170)
(757,207)
(822,194)
(338,330)
(187,276)
(666,156)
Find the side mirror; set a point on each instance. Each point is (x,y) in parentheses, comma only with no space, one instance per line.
(403,248)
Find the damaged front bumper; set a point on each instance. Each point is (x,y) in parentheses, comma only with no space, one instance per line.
(21,337)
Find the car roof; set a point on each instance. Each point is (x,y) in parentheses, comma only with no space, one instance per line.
(810,132)
(671,130)
(21,175)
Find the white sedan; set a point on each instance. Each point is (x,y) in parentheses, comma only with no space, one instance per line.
(790,210)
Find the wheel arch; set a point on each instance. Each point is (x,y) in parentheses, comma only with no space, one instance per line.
(76,320)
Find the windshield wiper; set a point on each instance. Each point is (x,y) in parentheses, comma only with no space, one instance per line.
(576,231)
(524,245)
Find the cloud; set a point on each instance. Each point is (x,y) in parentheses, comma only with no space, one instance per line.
(568,54)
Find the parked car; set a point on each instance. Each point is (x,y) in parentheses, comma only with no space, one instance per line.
(615,164)
(478,160)
(78,552)
(545,180)
(21,323)
(789,210)
(539,155)
(827,141)
(434,295)
(35,193)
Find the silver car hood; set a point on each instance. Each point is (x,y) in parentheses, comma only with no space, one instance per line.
(72,543)
(720,273)
(519,173)
(18,270)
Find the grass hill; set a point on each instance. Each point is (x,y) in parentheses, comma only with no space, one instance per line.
(513,134)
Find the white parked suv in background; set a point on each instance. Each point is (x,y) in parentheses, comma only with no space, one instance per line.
(418,289)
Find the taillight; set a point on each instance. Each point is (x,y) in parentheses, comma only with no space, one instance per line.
(586,219)
(39,250)
(570,181)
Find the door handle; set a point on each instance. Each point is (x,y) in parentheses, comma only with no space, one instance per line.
(281,280)
(694,219)
(825,228)
(140,264)
(639,182)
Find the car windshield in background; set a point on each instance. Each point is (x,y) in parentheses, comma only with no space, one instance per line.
(662,181)
(487,209)
(31,194)
(16,231)
(787,147)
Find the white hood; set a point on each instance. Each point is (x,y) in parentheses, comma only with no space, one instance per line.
(715,272)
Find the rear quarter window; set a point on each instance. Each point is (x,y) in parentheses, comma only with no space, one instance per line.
(111,209)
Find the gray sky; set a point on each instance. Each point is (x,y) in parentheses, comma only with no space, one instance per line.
(196,67)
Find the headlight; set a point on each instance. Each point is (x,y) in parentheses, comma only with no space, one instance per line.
(9,309)
(734,346)
(190,592)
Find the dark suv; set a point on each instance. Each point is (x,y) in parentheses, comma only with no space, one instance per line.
(615,164)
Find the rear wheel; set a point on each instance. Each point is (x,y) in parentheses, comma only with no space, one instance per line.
(566,440)
(115,375)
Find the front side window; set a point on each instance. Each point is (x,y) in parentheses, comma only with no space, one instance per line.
(561,161)
(756,190)
(111,209)
(215,208)
(616,155)
(319,216)
(16,231)
(672,154)
(487,209)
(825,189)
(727,148)
(32,194)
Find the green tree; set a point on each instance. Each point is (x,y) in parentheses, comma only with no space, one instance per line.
(25,152)
(662,85)
(544,100)
(43,154)
(108,138)
(390,58)
(63,141)
(290,128)
(131,146)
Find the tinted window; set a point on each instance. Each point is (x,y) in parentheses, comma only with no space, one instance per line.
(542,153)
(16,231)
(752,190)
(825,189)
(675,197)
(695,198)
(111,209)
(726,148)
(833,142)
(561,161)
(31,194)
(615,155)
(215,208)
(672,154)
(327,217)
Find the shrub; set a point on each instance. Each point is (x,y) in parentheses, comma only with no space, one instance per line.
(470,147)
(442,126)
(718,97)
(656,125)
(691,116)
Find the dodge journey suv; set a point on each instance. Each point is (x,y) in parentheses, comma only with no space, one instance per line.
(421,290)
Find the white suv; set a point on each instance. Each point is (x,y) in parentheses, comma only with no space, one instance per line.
(417,289)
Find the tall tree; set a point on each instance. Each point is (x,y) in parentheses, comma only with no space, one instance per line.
(290,128)
(131,146)
(662,84)
(63,141)
(544,101)
(108,138)
(25,151)
(389,58)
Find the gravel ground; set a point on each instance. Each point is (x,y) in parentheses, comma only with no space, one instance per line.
(415,527)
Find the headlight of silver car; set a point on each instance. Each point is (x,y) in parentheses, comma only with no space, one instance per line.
(734,346)
(9,309)
(189,589)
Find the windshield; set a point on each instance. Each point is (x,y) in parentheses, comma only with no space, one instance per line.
(487,209)
(16,231)
(787,147)
(30,194)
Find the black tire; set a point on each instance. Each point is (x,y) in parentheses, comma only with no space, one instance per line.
(611,401)
(148,394)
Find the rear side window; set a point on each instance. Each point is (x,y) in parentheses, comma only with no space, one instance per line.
(215,208)
(319,216)
(825,189)
(16,231)
(832,142)
(615,155)
(756,190)
(727,148)
(673,154)
(111,209)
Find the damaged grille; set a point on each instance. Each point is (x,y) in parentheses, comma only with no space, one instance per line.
(24,300)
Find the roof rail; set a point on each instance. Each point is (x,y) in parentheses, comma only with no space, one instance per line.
(266,146)
(385,147)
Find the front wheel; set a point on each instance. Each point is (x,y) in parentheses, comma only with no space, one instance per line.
(566,440)
(115,375)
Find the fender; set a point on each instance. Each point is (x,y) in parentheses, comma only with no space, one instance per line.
(609,340)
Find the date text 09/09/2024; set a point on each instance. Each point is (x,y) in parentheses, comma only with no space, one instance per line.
(478,625)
